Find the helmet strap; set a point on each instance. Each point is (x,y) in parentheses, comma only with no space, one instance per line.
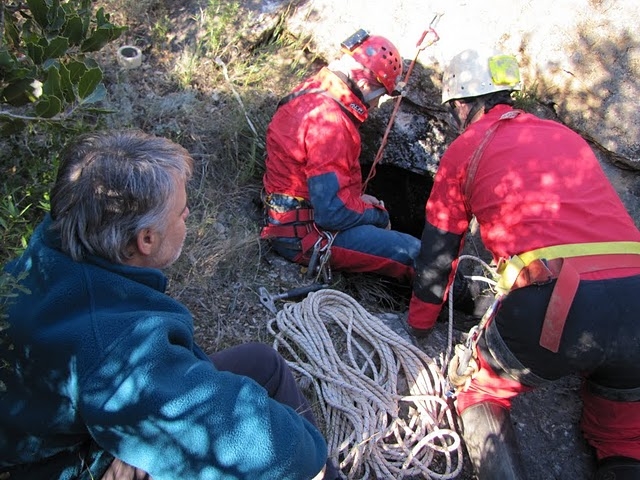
(476,106)
(353,86)
(454,114)
(374,93)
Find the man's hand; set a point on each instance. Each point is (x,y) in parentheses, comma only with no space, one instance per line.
(118,470)
(371,200)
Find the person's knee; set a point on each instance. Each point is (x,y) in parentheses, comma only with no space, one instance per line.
(264,354)
(268,364)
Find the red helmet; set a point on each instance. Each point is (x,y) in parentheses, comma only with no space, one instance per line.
(378,55)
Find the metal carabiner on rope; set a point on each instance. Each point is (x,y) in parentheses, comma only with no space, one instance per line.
(325,256)
(463,365)
(429,36)
(313,261)
(467,352)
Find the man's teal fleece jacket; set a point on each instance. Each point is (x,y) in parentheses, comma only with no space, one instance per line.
(104,364)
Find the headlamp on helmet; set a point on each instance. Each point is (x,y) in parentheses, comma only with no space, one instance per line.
(351,43)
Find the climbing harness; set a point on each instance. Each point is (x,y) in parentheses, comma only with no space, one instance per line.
(382,399)
(428,38)
(292,217)
(565,264)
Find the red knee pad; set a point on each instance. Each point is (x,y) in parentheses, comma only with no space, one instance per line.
(354,261)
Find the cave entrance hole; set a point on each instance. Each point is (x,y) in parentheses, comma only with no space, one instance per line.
(404,193)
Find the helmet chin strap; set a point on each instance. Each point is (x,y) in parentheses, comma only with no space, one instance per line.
(475,108)
(374,93)
(453,111)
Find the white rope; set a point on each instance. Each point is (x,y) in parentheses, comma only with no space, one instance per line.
(382,398)
(478,278)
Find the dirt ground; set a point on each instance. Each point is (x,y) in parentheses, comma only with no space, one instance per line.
(224,263)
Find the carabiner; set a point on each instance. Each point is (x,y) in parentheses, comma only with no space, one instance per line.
(313,261)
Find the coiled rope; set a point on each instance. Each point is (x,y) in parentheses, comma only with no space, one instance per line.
(381,397)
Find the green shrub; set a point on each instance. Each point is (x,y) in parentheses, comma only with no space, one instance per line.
(46,76)
(43,62)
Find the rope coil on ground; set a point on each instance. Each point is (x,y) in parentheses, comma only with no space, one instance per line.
(373,429)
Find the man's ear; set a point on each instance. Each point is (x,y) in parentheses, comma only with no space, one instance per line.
(146,240)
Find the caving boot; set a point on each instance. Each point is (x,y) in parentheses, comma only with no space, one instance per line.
(618,468)
(491,442)
(463,292)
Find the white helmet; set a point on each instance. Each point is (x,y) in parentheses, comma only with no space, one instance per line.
(472,73)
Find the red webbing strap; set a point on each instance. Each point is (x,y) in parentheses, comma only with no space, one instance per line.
(291,216)
(472,168)
(287,231)
(307,233)
(558,307)
(566,287)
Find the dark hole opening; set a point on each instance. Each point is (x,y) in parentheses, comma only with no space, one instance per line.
(404,194)
(129,52)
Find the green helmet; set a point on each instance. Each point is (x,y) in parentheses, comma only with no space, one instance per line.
(472,73)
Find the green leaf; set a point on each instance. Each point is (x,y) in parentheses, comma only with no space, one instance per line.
(57,48)
(40,11)
(90,63)
(101,18)
(89,82)
(65,84)
(15,74)
(49,106)
(11,127)
(76,70)
(98,94)
(50,62)
(74,30)
(6,60)
(52,85)
(35,52)
(98,39)
(57,17)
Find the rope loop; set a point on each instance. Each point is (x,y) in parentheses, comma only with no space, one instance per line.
(382,398)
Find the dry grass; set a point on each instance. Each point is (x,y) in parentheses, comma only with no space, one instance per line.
(210,80)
